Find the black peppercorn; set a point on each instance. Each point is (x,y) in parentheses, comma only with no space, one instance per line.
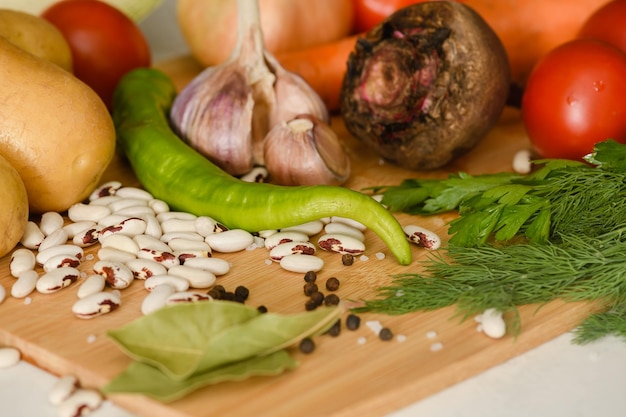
(310,276)
(307,345)
(310,288)
(385,334)
(335,329)
(331,300)
(347,259)
(310,305)
(318,297)
(353,321)
(242,292)
(332,284)
(262,309)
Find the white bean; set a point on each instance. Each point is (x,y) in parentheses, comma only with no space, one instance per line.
(256,174)
(153,226)
(156,298)
(145,268)
(116,274)
(198,278)
(60,261)
(166,237)
(135,211)
(180,244)
(301,263)
(56,238)
(122,203)
(57,279)
(67,249)
(62,389)
(133,192)
(81,403)
(25,284)
(51,221)
(158,206)
(120,242)
(206,226)
(72,229)
(492,323)
(180,284)
(344,229)
(32,236)
(3,293)
(151,242)
(22,259)
(350,222)
(282,237)
(105,200)
(111,219)
(92,284)
(310,228)
(229,241)
(115,255)
(180,215)
(343,244)
(9,356)
(184,255)
(96,304)
(178,225)
(216,265)
(86,212)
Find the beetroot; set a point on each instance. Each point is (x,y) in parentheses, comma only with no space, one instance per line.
(425,85)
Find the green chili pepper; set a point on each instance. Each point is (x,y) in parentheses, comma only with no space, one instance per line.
(175,173)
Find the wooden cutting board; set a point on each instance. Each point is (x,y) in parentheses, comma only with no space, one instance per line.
(352,374)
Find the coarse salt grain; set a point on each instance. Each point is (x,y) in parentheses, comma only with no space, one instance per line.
(401,338)
(361,340)
(364,258)
(399,293)
(27,300)
(268,262)
(436,347)
(91,338)
(90,257)
(380,256)
(431,334)
(374,325)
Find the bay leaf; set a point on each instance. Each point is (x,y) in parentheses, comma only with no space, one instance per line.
(186,339)
(141,378)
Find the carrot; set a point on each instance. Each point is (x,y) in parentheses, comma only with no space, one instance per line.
(322,66)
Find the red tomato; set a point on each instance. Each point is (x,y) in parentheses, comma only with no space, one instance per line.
(105,43)
(608,24)
(368,13)
(574,99)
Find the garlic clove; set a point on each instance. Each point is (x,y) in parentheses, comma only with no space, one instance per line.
(294,96)
(305,151)
(214,114)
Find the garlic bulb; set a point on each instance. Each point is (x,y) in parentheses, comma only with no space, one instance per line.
(305,151)
(227,110)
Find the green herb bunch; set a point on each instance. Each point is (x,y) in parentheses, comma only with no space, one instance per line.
(559,232)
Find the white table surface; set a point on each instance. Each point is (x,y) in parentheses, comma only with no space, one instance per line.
(557,379)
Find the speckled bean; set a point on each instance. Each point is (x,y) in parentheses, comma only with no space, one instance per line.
(165,258)
(57,279)
(422,237)
(207,226)
(116,274)
(283,237)
(96,304)
(131,226)
(288,248)
(342,244)
(67,249)
(87,237)
(104,190)
(81,403)
(72,229)
(187,297)
(145,268)
(62,389)
(60,261)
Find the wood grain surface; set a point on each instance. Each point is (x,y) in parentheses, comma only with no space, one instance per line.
(343,377)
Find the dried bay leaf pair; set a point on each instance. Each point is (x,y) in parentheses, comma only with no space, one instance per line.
(183,347)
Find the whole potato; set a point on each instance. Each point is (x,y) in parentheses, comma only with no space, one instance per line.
(13,207)
(37,36)
(55,130)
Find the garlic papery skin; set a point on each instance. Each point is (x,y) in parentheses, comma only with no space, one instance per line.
(293,95)
(305,151)
(224,113)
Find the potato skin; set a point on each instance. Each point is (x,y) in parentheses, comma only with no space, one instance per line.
(37,36)
(425,85)
(13,207)
(54,130)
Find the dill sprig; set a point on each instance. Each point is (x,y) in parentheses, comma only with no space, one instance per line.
(570,216)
